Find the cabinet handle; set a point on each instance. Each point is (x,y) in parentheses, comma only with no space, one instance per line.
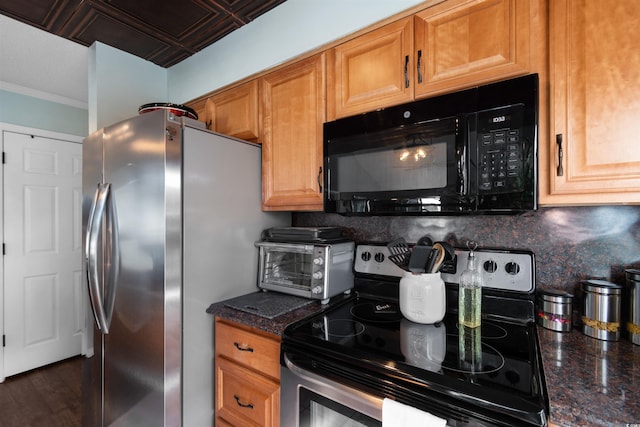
(418,66)
(209,124)
(320,179)
(560,171)
(406,71)
(242,405)
(242,347)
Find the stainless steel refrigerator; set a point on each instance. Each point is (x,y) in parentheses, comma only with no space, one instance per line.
(170,216)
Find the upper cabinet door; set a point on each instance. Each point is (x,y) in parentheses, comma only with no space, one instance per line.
(373,70)
(235,111)
(294,109)
(465,43)
(202,107)
(595,103)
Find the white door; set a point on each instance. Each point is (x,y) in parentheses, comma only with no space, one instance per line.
(43,286)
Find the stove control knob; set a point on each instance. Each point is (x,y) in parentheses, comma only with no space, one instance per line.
(366,256)
(512,268)
(316,290)
(379,257)
(490,266)
(318,261)
(317,275)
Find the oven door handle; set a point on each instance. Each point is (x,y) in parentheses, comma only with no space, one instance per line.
(373,401)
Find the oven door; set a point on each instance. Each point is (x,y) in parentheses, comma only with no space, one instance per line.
(315,401)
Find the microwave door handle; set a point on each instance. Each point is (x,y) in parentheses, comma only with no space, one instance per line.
(94,225)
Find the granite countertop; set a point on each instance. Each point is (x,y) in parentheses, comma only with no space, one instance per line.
(590,382)
(276,325)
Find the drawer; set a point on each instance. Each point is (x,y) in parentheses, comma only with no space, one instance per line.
(220,422)
(244,397)
(248,348)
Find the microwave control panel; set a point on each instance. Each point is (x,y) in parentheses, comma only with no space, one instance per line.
(500,151)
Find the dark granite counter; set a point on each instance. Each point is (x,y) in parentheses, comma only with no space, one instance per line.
(276,325)
(590,382)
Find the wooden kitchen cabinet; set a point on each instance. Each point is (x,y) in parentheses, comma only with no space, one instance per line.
(465,43)
(235,111)
(294,110)
(247,376)
(592,156)
(373,70)
(202,107)
(452,45)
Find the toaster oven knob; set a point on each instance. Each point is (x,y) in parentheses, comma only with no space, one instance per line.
(318,261)
(317,275)
(316,290)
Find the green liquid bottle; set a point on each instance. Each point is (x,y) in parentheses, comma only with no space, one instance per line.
(470,292)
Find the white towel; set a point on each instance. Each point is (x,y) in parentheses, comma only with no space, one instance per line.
(396,414)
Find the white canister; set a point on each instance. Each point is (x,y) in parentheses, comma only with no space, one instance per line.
(422,297)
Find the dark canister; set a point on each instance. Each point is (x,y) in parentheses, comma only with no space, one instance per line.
(633,324)
(555,308)
(601,309)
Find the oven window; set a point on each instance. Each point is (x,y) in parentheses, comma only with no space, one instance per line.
(319,411)
(418,157)
(289,268)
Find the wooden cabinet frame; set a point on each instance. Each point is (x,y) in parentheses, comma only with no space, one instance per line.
(593,106)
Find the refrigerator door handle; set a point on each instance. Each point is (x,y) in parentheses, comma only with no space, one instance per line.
(114,256)
(94,225)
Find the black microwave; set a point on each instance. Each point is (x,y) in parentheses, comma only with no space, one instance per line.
(473,151)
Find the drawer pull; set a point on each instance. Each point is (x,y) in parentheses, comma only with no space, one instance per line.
(242,347)
(242,405)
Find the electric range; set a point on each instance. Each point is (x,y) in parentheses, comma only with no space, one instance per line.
(491,375)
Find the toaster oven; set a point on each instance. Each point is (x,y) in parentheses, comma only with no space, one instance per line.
(312,270)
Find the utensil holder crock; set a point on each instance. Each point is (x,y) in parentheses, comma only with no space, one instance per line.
(422,297)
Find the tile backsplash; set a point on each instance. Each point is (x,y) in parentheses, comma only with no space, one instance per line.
(570,243)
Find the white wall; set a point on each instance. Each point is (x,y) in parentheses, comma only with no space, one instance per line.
(52,83)
(48,82)
(43,79)
(39,64)
(119,83)
(290,29)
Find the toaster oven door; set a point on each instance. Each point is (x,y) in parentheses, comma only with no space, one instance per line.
(286,267)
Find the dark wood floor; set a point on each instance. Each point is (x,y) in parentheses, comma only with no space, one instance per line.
(48,396)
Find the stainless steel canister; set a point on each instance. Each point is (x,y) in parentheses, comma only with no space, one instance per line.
(601,314)
(633,324)
(555,309)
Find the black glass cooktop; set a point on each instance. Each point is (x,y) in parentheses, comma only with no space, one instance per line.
(493,371)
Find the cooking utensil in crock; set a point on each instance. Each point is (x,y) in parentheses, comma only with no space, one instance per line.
(418,260)
(437,259)
(400,253)
(425,241)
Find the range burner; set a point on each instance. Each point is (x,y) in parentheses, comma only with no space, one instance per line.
(342,328)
